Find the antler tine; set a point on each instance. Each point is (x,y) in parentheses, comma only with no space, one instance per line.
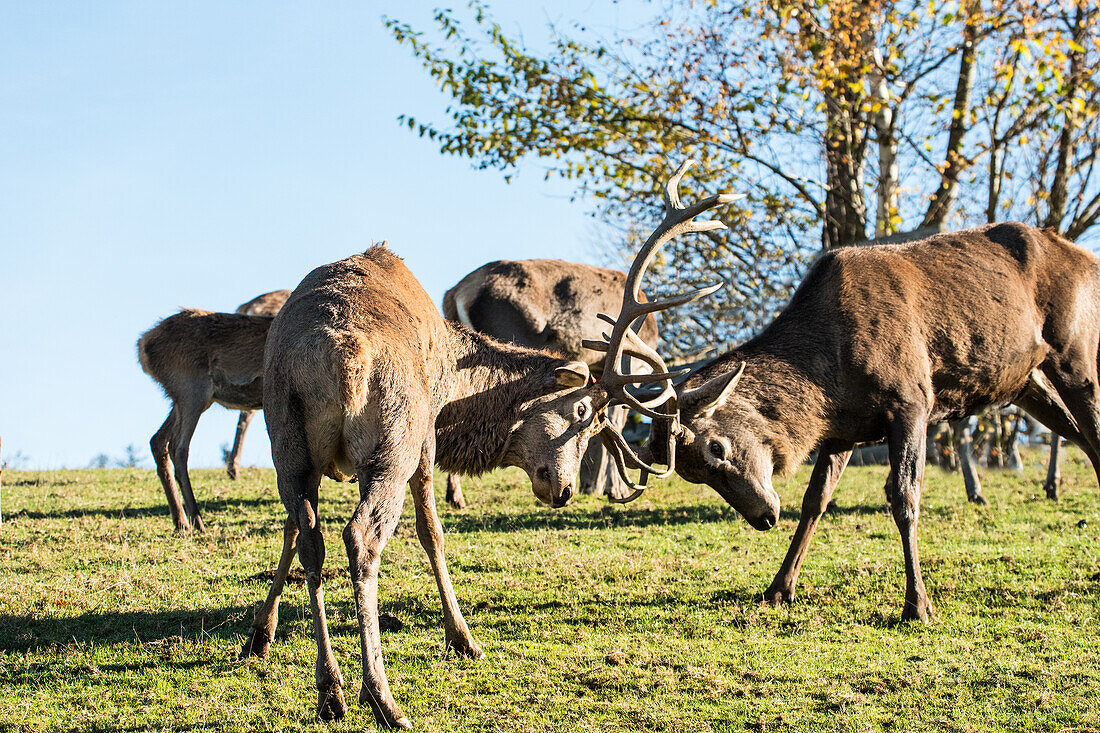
(678,219)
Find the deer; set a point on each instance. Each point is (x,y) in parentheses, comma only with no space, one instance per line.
(363,377)
(878,341)
(199,358)
(551,305)
(267,304)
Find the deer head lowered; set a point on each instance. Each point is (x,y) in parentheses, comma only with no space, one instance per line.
(551,305)
(363,377)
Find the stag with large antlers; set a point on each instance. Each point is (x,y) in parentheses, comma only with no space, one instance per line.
(362,376)
(877,342)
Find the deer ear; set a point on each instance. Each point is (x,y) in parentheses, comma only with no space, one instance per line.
(573,374)
(704,400)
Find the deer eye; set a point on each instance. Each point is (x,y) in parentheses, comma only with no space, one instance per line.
(717,449)
(581,410)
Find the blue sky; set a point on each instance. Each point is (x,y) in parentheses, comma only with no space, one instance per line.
(167,154)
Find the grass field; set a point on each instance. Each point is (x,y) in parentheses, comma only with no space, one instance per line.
(594,618)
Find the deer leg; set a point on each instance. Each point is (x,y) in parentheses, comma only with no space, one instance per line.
(1081,395)
(430,532)
(831,460)
(1044,404)
(908,433)
(189,414)
(454,492)
(1054,474)
(964,447)
(233,457)
(300,496)
(612,483)
(365,536)
(267,615)
(160,444)
(593,473)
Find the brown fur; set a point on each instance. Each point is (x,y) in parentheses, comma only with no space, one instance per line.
(877,342)
(199,358)
(267,304)
(551,305)
(362,376)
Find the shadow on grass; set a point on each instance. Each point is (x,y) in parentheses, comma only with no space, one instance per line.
(607,517)
(210,507)
(28,633)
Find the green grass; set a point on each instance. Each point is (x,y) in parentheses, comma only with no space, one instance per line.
(644,617)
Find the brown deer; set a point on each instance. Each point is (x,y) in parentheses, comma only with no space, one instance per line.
(877,342)
(267,304)
(550,305)
(199,358)
(363,376)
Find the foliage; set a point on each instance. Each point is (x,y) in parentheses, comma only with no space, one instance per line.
(810,108)
(594,617)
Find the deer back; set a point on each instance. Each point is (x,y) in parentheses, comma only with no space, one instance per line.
(221,353)
(548,304)
(267,304)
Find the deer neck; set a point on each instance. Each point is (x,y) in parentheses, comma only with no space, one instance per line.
(493,384)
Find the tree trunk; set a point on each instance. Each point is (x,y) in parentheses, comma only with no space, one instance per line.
(845,212)
(882,116)
(1059,187)
(954,163)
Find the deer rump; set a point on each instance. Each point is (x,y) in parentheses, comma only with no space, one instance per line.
(551,305)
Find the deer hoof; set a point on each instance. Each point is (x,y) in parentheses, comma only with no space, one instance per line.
(387,715)
(233,472)
(465,647)
(918,610)
(777,595)
(330,703)
(257,645)
(1051,490)
(979,500)
(196,522)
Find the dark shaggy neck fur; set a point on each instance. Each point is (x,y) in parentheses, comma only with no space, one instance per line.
(785,403)
(494,383)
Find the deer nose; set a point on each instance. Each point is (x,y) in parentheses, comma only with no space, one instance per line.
(765,521)
(564,497)
(567,494)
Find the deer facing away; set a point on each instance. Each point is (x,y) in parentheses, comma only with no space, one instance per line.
(363,376)
(552,305)
(199,358)
(267,304)
(877,342)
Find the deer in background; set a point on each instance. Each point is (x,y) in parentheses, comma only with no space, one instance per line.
(550,305)
(199,358)
(877,342)
(268,305)
(363,376)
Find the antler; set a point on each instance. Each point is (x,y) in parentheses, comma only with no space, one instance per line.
(623,340)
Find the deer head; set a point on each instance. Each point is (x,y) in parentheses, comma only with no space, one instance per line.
(553,431)
(724,442)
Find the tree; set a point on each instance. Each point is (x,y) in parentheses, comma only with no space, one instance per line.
(943,113)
